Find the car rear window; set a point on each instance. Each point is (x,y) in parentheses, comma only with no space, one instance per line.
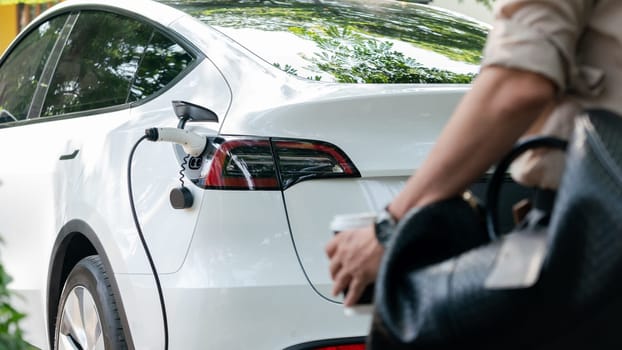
(348,41)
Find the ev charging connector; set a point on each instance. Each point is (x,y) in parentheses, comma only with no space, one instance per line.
(194,145)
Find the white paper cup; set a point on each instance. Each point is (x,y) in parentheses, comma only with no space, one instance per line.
(349,222)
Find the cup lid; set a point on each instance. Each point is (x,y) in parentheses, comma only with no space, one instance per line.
(349,221)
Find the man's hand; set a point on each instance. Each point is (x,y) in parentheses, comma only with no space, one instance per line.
(354,260)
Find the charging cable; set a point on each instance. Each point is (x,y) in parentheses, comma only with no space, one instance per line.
(144,242)
(193,145)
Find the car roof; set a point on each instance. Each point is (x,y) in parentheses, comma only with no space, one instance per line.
(149,9)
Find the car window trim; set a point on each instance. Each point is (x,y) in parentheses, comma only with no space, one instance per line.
(140,62)
(38,98)
(72,115)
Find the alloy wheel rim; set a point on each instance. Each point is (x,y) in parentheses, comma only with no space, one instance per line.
(80,325)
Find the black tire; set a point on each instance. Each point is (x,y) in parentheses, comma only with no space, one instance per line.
(88,278)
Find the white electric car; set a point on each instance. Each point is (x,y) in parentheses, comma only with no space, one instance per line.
(207,231)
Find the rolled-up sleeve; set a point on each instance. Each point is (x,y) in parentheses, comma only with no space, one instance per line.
(539,36)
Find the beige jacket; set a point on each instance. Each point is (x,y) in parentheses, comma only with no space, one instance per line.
(577,44)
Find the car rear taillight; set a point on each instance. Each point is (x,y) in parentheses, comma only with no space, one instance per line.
(303,160)
(245,164)
(270,164)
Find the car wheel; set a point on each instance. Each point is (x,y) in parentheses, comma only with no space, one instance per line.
(87,316)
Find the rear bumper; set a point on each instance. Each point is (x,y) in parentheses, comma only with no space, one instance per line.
(255,318)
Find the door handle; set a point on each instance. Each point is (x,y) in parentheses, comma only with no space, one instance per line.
(70,155)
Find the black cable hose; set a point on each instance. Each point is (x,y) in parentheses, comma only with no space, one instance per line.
(144,242)
(183,170)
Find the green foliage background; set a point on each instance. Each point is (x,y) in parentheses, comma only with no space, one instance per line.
(10,332)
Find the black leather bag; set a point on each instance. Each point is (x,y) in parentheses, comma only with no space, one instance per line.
(436,297)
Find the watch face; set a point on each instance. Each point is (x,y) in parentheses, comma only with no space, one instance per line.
(384,228)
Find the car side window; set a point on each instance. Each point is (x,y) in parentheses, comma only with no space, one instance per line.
(20,72)
(98,63)
(163,61)
(112,60)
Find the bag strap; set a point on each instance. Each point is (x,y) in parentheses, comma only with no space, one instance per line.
(494,186)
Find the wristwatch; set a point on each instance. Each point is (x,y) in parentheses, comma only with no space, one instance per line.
(384,226)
